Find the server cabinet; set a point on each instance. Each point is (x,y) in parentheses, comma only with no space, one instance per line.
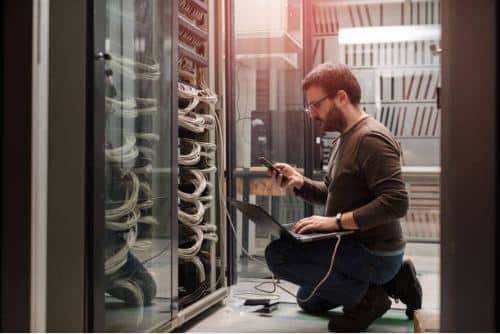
(156,234)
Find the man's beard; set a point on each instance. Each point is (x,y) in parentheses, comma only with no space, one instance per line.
(335,120)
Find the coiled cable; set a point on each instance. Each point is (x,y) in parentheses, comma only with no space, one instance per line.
(126,153)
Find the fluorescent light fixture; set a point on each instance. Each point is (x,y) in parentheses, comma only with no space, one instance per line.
(388,34)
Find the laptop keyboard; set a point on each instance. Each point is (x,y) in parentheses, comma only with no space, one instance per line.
(301,236)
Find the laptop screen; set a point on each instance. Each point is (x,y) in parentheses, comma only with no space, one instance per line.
(258,215)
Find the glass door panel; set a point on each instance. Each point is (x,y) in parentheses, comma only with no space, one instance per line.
(138,158)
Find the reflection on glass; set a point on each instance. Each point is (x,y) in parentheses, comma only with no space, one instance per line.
(269,117)
(138,197)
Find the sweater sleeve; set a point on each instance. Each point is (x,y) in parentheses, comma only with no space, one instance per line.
(380,166)
(315,192)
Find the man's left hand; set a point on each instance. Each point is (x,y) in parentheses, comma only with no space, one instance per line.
(315,224)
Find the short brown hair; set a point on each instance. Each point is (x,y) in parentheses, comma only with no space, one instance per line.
(332,78)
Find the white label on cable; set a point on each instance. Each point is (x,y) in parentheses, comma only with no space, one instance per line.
(318,140)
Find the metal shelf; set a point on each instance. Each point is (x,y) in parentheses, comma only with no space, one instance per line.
(192,28)
(191,55)
(200,4)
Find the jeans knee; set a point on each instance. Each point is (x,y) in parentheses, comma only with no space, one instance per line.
(314,304)
(311,308)
(273,253)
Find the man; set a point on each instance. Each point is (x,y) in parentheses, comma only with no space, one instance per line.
(363,191)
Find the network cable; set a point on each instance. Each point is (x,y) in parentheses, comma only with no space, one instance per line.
(146,69)
(126,153)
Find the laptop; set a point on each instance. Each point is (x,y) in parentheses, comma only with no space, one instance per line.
(261,217)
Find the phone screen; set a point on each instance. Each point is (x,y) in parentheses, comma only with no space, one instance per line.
(269,165)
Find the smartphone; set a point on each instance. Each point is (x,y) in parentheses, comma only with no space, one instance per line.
(270,165)
(269,308)
(253,302)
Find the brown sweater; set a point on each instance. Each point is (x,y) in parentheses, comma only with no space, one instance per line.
(365,177)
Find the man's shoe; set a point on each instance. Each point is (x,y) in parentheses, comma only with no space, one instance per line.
(357,318)
(406,287)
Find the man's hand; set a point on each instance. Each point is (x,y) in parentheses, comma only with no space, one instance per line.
(315,224)
(293,178)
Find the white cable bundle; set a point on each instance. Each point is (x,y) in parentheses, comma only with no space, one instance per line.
(207,96)
(152,138)
(135,69)
(148,220)
(210,161)
(193,157)
(116,261)
(148,202)
(192,218)
(148,169)
(199,266)
(200,183)
(125,153)
(147,152)
(209,232)
(208,228)
(201,269)
(127,108)
(146,142)
(189,93)
(207,149)
(187,253)
(128,224)
(198,123)
(128,103)
(211,237)
(143,244)
(131,107)
(136,290)
(209,121)
(186,91)
(206,146)
(145,188)
(192,104)
(138,244)
(146,106)
(130,201)
(191,121)
(208,198)
(131,235)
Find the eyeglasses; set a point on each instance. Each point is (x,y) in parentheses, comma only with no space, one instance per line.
(313,106)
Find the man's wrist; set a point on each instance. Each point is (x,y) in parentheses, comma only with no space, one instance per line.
(301,183)
(338,221)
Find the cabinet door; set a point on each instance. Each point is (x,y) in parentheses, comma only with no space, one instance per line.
(139,183)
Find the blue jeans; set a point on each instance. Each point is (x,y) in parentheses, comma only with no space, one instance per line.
(354,269)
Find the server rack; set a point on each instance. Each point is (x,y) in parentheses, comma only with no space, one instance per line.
(157,234)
